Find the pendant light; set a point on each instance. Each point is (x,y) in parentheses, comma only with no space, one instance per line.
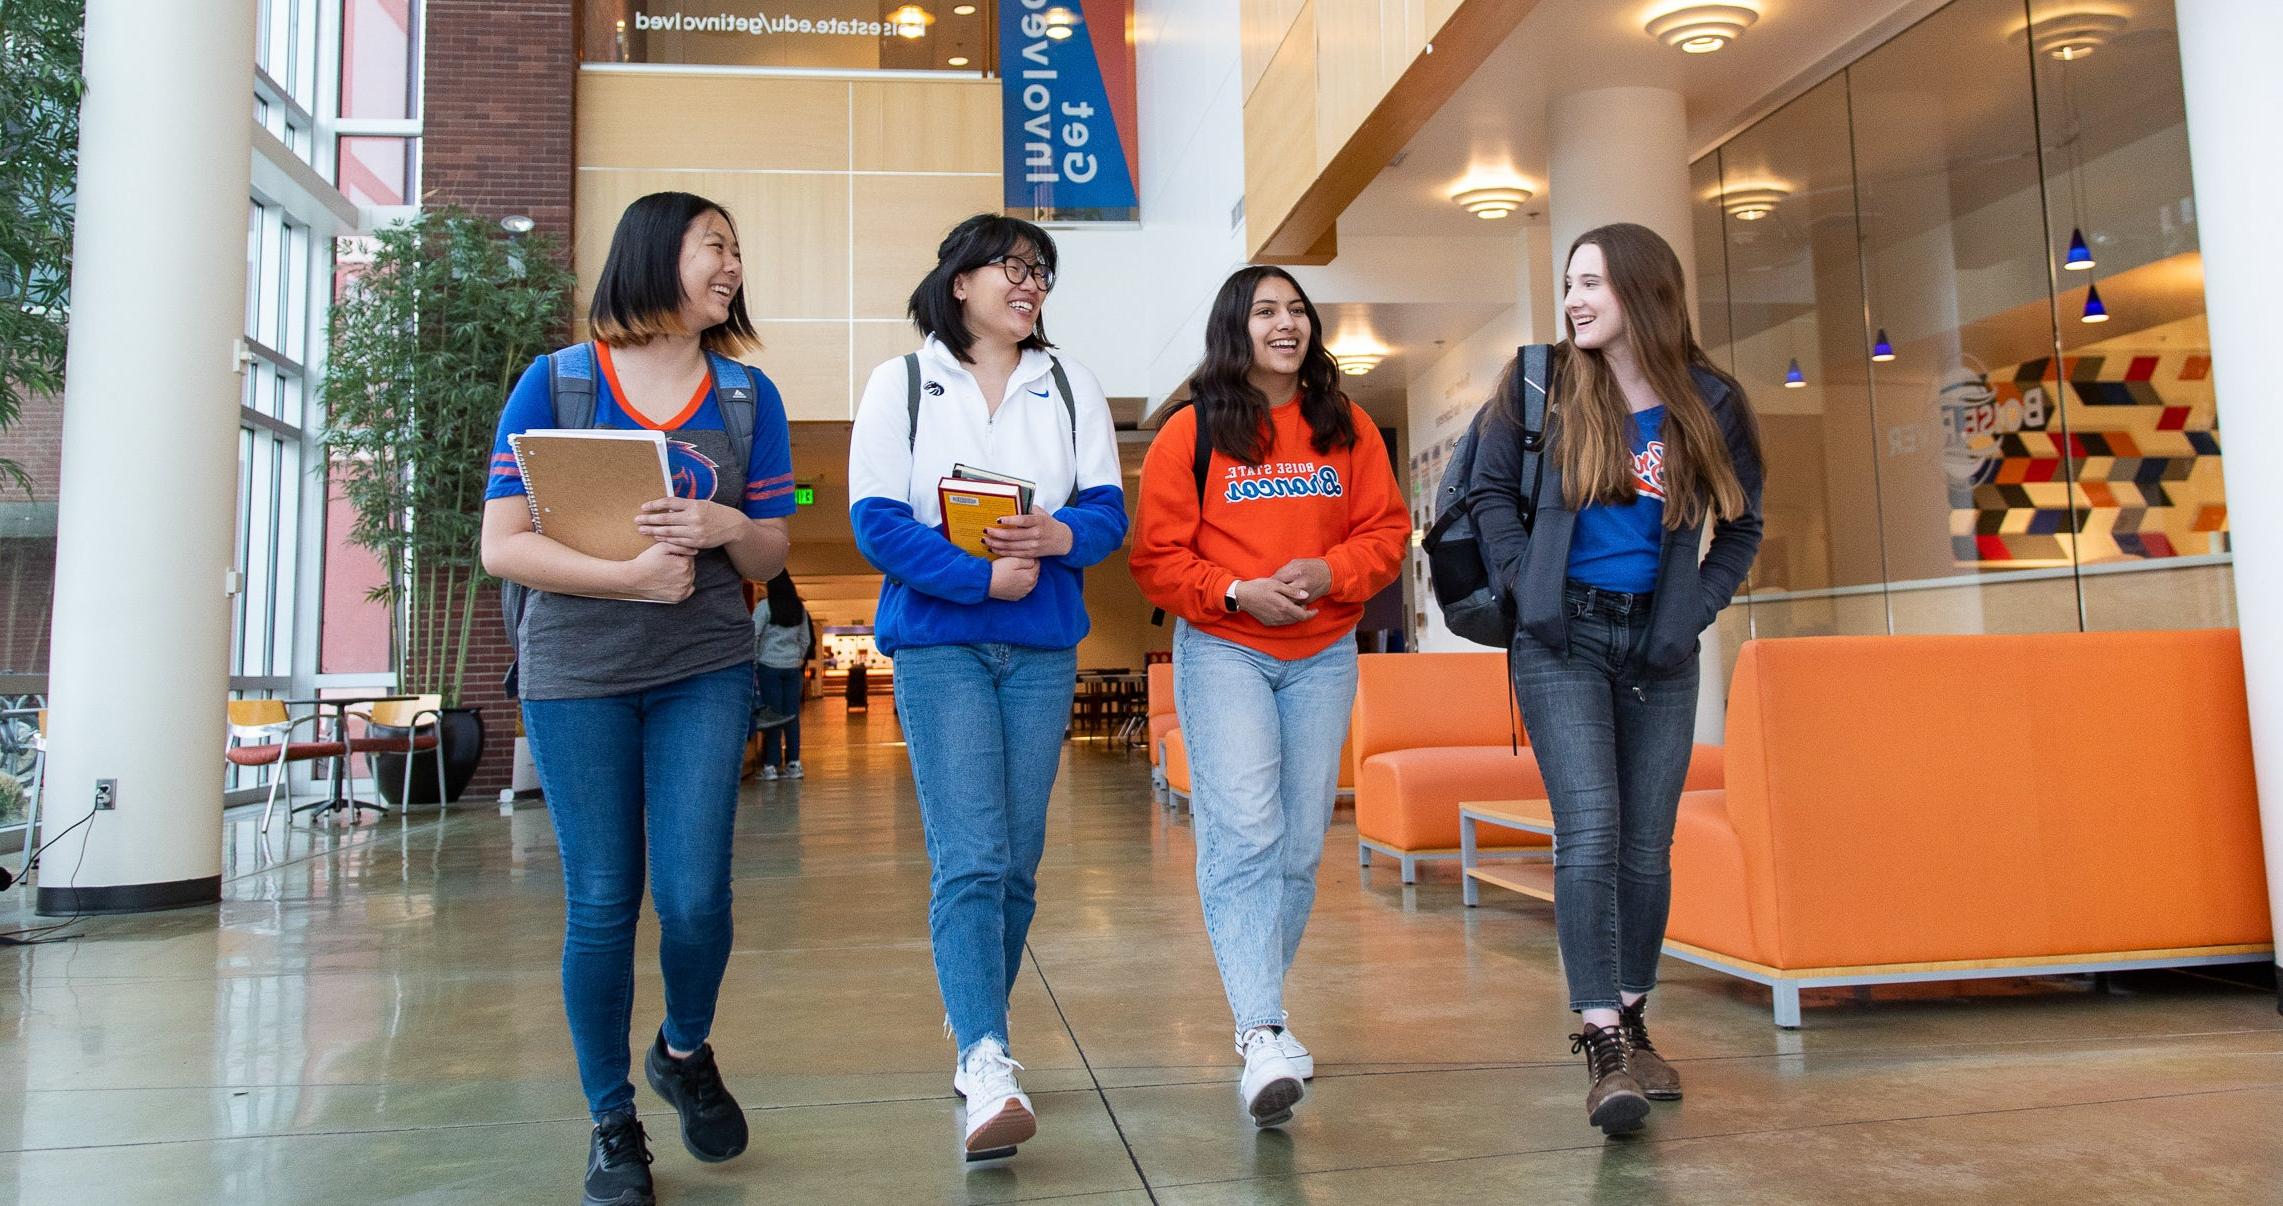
(2080,256)
(1793,378)
(2094,310)
(1882,351)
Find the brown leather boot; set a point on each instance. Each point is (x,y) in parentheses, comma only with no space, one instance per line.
(1614,1103)
(1660,1080)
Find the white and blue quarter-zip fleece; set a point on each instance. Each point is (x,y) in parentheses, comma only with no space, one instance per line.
(936,594)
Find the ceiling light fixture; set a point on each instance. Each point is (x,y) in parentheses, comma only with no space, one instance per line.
(962,10)
(1793,378)
(2080,256)
(2072,36)
(1491,202)
(957,60)
(1881,350)
(1061,22)
(1701,28)
(911,21)
(1356,364)
(2094,310)
(1753,204)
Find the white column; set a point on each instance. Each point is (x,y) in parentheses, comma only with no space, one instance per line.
(140,661)
(1621,155)
(2233,93)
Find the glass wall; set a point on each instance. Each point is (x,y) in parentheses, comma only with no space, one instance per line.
(833,35)
(1901,267)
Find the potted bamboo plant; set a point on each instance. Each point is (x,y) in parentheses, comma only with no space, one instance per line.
(425,345)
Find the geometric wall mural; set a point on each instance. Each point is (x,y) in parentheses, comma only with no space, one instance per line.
(2142,446)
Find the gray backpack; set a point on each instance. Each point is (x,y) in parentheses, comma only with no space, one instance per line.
(571,376)
(1474,606)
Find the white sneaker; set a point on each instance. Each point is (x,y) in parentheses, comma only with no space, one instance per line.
(1298,1054)
(768,772)
(998,1113)
(793,770)
(1272,1084)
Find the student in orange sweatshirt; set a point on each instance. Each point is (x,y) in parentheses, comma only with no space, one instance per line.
(1265,530)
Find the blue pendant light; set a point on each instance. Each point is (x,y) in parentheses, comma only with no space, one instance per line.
(2094,310)
(1882,351)
(1793,378)
(2080,257)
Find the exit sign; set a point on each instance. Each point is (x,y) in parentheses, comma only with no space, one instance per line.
(804,496)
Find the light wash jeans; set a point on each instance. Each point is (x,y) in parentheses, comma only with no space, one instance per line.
(1264,738)
(984,726)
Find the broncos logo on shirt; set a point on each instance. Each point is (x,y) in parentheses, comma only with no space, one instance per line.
(694,474)
(1649,471)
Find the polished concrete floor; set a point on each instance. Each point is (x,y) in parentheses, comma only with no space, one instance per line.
(374,1017)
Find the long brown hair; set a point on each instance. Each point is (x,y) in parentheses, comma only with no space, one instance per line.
(1234,413)
(1592,427)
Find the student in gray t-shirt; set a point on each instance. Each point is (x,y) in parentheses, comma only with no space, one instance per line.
(636,676)
(783,642)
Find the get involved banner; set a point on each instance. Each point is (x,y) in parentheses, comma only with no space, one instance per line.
(1066,69)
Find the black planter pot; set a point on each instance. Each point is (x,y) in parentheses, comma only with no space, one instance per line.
(463,750)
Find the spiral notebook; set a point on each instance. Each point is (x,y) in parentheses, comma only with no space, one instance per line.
(586,486)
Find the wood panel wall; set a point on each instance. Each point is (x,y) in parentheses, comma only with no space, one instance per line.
(1333,90)
(841,188)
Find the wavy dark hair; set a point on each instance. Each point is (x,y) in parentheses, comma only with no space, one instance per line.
(1234,412)
(935,309)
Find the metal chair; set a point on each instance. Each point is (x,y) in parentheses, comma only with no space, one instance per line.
(422,719)
(36,741)
(262,734)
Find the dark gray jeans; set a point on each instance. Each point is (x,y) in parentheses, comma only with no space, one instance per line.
(1613,743)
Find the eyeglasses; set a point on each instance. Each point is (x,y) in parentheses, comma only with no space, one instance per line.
(1019,270)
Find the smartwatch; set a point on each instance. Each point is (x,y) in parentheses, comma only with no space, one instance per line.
(1229,599)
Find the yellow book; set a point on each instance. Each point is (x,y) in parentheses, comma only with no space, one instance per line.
(971,505)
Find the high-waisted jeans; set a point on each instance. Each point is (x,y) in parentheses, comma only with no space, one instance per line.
(648,773)
(984,726)
(1264,738)
(1613,744)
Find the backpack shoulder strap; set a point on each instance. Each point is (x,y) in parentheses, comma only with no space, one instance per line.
(737,388)
(571,385)
(1069,403)
(1200,457)
(912,399)
(1535,362)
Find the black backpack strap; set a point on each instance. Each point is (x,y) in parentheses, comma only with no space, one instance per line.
(571,384)
(912,399)
(1534,363)
(1069,404)
(737,389)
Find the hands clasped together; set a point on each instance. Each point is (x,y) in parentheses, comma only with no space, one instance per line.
(679,528)
(1282,598)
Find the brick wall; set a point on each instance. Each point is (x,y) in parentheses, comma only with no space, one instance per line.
(497,138)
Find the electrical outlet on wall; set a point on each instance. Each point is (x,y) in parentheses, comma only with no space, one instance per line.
(106,794)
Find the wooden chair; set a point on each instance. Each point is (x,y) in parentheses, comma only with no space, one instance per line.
(262,734)
(422,719)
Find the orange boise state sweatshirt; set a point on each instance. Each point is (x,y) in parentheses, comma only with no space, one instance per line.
(1342,506)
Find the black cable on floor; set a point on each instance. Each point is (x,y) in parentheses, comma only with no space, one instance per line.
(1088,1064)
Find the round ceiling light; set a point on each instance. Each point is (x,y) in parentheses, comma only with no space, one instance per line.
(962,10)
(911,21)
(1702,28)
(1752,204)
(957,60)
(1061,22)
(2072,36)
(1356,364)
(1493,202)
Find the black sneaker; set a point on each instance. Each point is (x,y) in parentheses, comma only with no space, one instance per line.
(618,1163)
(713,1128)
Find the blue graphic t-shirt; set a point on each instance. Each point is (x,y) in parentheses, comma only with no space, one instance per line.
(572,647)
(1616,547)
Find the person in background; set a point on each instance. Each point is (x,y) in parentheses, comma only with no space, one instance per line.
(1267,559)
(985,648)
(1647,443)
(783,640)
(637,676)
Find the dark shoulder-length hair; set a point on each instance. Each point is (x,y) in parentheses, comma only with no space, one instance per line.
(638,298)
(936,311)
(783,601)
(1234,412)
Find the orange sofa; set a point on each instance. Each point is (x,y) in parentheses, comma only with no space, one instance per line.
(1176,769)
(1162,721)
(1949,807)
(1431,731)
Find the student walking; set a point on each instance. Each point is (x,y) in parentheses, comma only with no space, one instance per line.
(783,642)
(985,648)
(1269,515)
(1647,443)
(637,711)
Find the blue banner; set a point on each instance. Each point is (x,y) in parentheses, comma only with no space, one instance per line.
(1067,80)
